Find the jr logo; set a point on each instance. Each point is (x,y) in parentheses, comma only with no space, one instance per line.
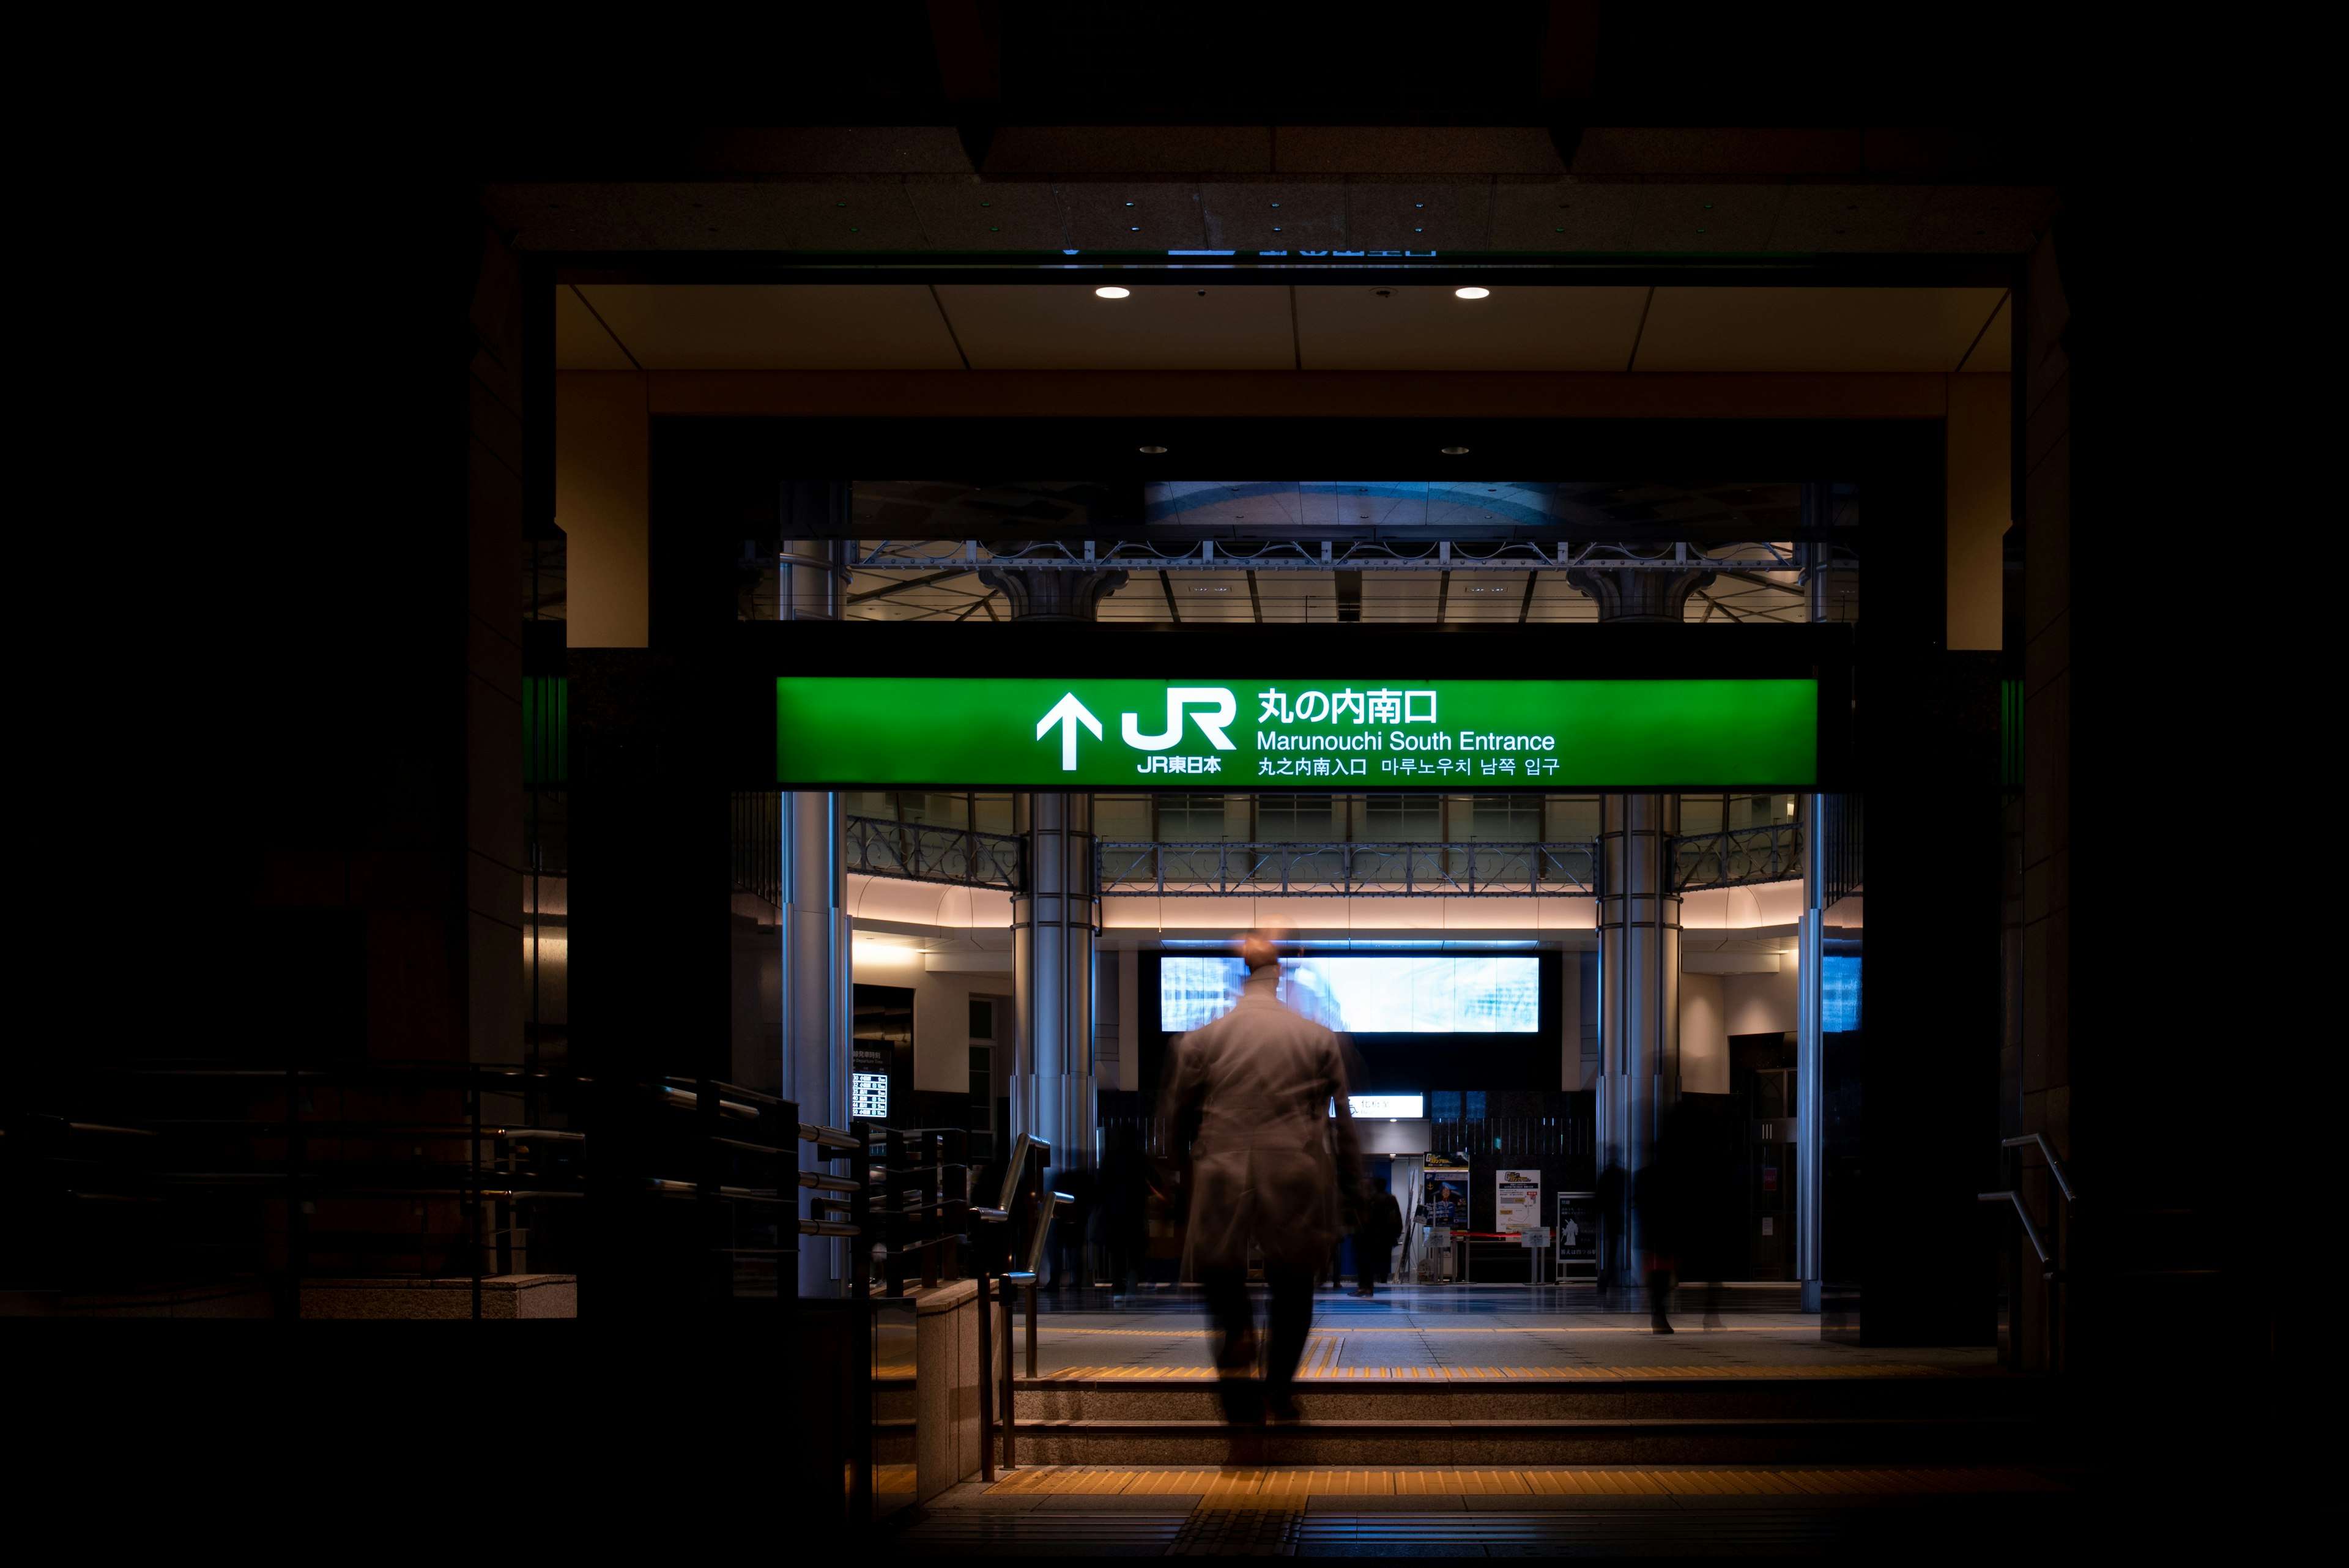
(1178,698)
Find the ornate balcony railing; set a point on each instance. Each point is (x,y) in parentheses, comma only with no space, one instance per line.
(1349,871)
(1737,857)
(880,847)
(920,853)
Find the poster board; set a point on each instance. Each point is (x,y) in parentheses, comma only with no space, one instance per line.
(1517,1201)
(1444,1202)
(1578,1235)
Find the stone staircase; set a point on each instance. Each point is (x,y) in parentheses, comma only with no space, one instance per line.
(1888,1416)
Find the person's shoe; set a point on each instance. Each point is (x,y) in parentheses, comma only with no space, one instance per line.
(1280,1410)
(1662,1326)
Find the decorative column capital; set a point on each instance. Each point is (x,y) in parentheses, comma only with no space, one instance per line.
(1639,596)
(1038,593)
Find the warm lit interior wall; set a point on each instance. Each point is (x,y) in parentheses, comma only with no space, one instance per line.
(1757,1003)
(602,460)
(1981,457)
(941,1010)
(1704,1037)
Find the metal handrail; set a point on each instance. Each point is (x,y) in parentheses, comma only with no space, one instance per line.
(2047,1152)
(2013,1198)
(2023,1214)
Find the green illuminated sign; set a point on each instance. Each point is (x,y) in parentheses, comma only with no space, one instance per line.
(1211,734)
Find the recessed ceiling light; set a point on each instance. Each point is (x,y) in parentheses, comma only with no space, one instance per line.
(1153,449)
(1471,293)
(1455,451)
(1110,291)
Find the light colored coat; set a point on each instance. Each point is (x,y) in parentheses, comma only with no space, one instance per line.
(1253,1091)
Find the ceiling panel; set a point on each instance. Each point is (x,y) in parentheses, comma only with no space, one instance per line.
(777,326)
(1849,330)
(1064,327)
(580,341)
(1399,596)
(1343,327)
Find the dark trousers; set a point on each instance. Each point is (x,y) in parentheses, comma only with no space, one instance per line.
(1233,1316)
(1372,1257)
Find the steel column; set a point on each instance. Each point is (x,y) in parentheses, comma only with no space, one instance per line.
(1640,996)
(1054,924)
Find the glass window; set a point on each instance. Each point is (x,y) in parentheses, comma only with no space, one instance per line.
(1504,818)
(1121,818)
(1402,819)
(1191,818)
(1297,819)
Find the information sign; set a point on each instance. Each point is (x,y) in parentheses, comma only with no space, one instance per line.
(1576,1232)
(1386,732)
(868,1096)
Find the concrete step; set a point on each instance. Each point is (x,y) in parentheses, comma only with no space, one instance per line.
(1567,1399)
(1663,1442)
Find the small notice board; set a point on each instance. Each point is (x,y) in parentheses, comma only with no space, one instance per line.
(1517,1201)
(1578,1235)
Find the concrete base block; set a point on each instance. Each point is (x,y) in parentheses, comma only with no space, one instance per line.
(504,1298)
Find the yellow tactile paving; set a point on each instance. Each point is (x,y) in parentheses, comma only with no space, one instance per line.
(1240,1486)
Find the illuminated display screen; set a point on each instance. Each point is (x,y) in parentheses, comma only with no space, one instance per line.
(1448,995)
(1401,1107)
(1839,996)
(868,1096)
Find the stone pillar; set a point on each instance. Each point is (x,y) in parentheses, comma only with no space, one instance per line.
(1054,921)
(1640,996)
(816,1029)
(1036,593)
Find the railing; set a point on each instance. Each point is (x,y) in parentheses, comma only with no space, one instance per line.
(1736,857)
(2051,1245)
(1569,869)
(880,847)
(1349,871)
(273,1179)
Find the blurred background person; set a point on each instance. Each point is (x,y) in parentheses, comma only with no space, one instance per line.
(1261,1126)
(1374,1241)
(1658,1194)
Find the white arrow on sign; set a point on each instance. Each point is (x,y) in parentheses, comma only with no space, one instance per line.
(1068,714)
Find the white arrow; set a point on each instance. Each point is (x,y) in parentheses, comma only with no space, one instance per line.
(1068,714)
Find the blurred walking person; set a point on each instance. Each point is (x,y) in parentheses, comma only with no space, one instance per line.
(1250,1101)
